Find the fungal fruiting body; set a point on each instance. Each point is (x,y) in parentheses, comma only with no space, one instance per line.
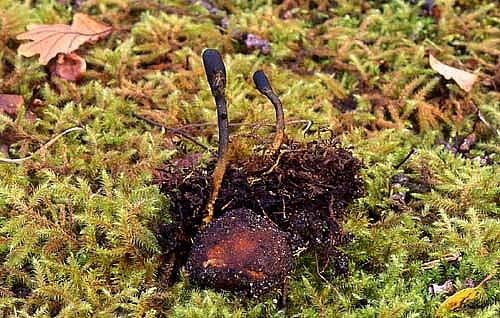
(216,77)
(264,87)
(240,251)
(261,210)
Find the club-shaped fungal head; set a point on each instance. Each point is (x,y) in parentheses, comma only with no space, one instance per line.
(215,70)
(262,83)
(264,87)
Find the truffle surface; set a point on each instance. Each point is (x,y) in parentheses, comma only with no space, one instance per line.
(242,252)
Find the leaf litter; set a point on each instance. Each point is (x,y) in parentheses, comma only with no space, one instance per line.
(10,103)
(49,40)
(461,297)
(70,67)
(464,79)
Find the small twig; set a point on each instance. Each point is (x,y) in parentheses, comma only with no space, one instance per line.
(45,146)
(318,271)
(484,121)
(451,257)
(226,205)
(258,124)
(276,163)
(308,126)
(265,213)
(412,151)
(481,117)
(487,278)
(174,131)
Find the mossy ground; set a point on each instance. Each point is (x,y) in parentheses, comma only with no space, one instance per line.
(75,221)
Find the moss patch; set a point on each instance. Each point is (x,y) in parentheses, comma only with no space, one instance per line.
(77,220)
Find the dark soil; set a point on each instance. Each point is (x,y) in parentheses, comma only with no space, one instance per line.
(347,104)
(304,191)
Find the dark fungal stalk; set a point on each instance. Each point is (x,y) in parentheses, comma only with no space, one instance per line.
(216,76)
(264,87)
(240,250)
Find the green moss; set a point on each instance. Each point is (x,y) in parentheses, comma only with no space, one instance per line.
(76,234)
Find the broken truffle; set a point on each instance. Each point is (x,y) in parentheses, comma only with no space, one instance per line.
(242,252)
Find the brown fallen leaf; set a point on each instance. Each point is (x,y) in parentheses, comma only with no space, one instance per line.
(69,67)
(95,30)
(49,40)
(9,104)
(464,79)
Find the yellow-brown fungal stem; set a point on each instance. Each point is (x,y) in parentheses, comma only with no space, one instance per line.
(216,76)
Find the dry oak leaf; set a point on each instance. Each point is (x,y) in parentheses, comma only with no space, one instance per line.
(464,79)
(50,39)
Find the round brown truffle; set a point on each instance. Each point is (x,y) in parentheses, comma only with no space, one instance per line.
(240,251)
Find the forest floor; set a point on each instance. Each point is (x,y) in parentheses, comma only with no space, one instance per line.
(79,211)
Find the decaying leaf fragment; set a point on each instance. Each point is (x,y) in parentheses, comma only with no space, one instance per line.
(49,40)
(69,67)
(446,288)
(464,79)
(461,297)
(9,104)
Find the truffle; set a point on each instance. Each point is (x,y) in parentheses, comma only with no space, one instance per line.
(242,252)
